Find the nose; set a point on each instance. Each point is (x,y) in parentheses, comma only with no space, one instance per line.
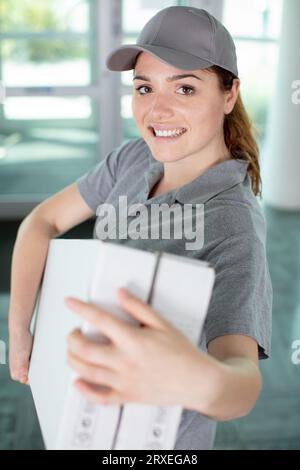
(161,107)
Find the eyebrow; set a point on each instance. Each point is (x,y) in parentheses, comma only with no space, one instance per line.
(169,79)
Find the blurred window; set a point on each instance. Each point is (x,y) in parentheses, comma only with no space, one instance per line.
(255,26)
(49,114)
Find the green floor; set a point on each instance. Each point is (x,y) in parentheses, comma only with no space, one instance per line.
(43,161)
(275,421)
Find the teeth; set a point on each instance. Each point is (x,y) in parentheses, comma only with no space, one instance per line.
(173,133)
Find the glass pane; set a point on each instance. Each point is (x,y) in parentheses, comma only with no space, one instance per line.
(253,17)
(257,63)
(44,15)
(46,142)
(54,107)
(45,43)
(63,62)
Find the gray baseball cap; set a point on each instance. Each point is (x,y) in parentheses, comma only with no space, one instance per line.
(186,37)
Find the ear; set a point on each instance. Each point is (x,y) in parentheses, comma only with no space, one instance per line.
(231,96)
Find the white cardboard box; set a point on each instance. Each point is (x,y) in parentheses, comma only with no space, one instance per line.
(179,288)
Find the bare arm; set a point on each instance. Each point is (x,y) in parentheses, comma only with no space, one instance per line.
(232,381)
(241,378)
(51,218)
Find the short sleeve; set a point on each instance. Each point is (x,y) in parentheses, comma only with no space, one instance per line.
(96,184)
(241,301)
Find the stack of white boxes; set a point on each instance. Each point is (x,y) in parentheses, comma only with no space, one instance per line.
(179,288)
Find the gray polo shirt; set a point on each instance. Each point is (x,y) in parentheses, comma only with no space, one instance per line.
(234,243)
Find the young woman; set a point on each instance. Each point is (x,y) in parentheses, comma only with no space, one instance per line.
(197,147)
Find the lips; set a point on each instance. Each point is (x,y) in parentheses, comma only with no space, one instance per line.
(166,127)
(169,129)
(169,139)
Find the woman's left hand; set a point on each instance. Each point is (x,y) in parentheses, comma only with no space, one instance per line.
(154,364)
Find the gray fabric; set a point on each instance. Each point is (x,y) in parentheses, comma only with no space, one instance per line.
(186,37)
(234,243)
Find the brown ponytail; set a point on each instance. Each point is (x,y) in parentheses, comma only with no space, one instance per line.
(239,131)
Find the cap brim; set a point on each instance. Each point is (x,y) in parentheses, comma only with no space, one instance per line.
(124,58)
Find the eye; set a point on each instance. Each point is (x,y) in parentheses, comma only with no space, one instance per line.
(191,89)
(140,87)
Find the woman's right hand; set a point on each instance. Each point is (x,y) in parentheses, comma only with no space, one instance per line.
(20,346)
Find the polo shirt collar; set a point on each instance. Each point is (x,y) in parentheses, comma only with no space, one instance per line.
(212,182)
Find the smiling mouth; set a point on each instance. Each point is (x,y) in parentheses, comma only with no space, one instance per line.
(168,137)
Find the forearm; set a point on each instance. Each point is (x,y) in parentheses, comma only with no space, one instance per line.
(29,255)
(228,389)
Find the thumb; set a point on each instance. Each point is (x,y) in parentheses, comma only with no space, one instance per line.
(140,310)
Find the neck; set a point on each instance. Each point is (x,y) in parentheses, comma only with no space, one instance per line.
(181,172)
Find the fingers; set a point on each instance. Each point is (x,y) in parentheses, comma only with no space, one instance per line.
(20,375)
(115,329)
(95,354)
(94,374)
(140,310)
(98,395)
(20,347)
(19,366)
